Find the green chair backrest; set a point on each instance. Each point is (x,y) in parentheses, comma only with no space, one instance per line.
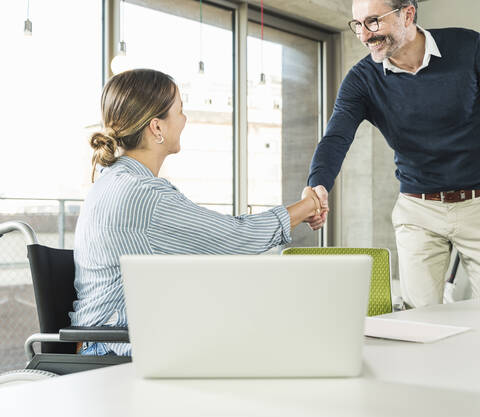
(380,300)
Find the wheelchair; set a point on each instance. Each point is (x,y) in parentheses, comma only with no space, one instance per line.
(53,273)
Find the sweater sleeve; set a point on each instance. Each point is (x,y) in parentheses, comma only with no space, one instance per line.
(179,226)
(477,59)
(349,111)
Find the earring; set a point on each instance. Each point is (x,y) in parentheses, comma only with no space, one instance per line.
(161,139)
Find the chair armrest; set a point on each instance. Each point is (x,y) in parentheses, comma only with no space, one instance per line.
(94,334)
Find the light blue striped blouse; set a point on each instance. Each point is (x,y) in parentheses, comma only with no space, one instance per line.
(130,211)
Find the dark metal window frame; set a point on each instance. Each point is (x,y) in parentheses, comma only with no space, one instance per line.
(242,13)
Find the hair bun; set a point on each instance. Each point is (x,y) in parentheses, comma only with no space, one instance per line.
(101,140)
(105,149)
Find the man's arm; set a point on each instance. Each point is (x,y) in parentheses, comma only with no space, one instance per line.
(477,59)
(349,111)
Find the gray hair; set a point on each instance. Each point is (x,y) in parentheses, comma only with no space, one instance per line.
(398,4)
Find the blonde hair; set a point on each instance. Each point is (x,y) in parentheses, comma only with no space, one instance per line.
(130,100)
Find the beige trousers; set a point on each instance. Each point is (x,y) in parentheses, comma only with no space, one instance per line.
(425,231)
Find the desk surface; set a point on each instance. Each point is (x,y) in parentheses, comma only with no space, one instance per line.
(399,379)
(452,363)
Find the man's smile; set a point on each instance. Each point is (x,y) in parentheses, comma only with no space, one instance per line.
(376,42)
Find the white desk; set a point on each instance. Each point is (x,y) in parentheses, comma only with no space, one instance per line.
(452,363)
(400,379)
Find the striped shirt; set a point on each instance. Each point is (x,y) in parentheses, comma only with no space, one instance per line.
(130,211)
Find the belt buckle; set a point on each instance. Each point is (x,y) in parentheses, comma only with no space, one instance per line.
(445,194)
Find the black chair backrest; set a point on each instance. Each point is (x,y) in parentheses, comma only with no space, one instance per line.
(53,273)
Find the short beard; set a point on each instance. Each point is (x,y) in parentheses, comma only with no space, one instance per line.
(389,42)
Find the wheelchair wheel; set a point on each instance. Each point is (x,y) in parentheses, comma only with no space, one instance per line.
(21,376)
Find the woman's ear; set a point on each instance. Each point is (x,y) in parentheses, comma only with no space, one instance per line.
(156,127)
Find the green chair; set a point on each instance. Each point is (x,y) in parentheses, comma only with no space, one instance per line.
(380,299)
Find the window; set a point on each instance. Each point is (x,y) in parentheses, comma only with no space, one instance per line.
(50,104)
(170,38)
(51,84)
(283,118)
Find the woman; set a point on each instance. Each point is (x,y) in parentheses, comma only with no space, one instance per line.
(129,210)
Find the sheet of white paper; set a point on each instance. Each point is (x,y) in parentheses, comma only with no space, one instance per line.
(410,331)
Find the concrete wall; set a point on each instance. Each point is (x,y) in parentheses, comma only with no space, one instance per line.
(332,14)
(447,13)
(299,124)
(366,190)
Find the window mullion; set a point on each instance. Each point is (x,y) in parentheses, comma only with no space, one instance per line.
(240,126)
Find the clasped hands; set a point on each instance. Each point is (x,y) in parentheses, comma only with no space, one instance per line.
(319,194)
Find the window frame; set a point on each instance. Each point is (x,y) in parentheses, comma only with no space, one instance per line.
(242,14)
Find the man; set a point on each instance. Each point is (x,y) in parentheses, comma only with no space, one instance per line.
(421,89)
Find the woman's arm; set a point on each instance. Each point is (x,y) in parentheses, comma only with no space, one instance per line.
(179,226)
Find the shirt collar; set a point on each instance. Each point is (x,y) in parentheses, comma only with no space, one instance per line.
(132,165)
(431,48)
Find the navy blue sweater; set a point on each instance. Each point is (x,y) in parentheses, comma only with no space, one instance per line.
(431,120)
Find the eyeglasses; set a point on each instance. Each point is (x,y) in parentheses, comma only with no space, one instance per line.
(371,23)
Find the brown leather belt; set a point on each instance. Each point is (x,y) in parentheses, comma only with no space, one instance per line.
(448,196)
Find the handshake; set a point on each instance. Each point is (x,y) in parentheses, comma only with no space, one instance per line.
(320,197)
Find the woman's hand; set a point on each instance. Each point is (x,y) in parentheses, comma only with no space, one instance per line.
(309,193)
(308,209)
(318,219)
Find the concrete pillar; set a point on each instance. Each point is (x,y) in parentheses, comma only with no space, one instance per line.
(299,124)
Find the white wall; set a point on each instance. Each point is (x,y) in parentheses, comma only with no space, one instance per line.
(447,13)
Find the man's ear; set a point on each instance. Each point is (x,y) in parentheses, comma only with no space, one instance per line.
(409,14)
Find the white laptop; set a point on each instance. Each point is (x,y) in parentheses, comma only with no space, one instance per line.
(246,316)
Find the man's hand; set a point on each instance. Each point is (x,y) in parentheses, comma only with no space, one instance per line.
(317,221)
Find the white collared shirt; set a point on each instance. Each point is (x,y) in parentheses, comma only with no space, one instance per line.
(431,48)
